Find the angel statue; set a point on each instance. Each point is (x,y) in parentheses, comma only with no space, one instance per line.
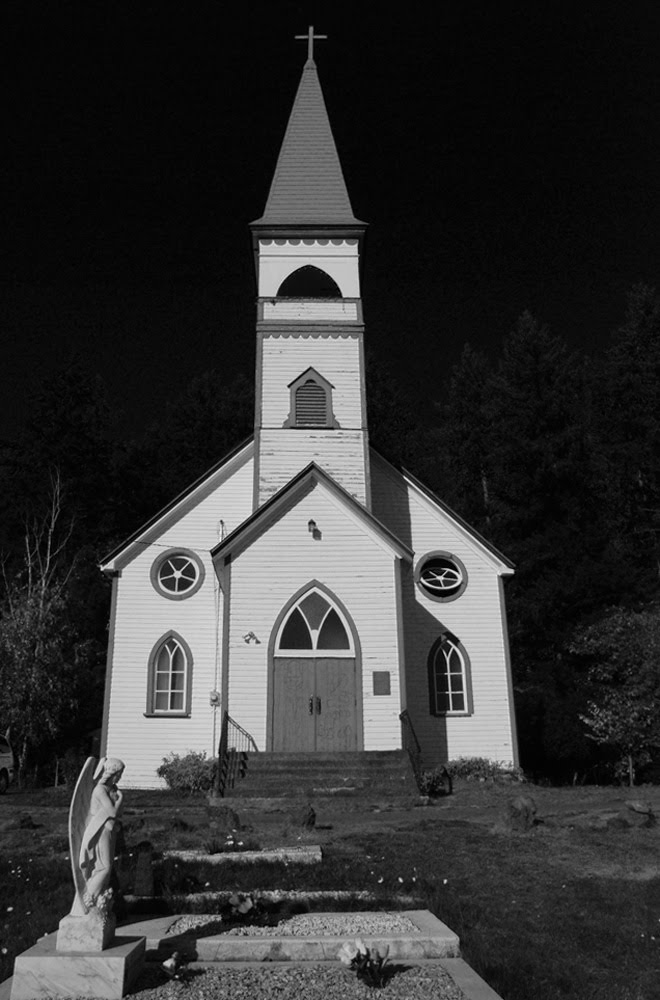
(93,826)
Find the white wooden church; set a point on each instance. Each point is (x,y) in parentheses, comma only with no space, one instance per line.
(304,584)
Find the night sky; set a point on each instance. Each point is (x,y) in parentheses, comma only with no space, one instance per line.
(505,155)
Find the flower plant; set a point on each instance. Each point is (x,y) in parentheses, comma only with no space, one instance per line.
(369,965)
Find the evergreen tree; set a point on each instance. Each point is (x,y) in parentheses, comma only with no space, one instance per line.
(50,679)
(463,440)
(197,429)
(541,476)
(622,649)
(627,402)
(395,428)
(69,430)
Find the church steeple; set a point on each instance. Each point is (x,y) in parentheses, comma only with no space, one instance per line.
(308,186)
(310,403)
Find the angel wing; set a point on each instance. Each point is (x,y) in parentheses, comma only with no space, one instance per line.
(78,818)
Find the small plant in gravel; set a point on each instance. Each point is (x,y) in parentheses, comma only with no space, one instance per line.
(370,966)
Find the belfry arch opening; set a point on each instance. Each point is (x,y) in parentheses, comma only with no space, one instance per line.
(309,282)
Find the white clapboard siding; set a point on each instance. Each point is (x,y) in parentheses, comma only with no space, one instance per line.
(283,453)
(308,311)
(476,618)
(337,359)
(143,617)
(356,568)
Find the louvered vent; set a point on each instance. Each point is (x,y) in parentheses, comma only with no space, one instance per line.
(311,405)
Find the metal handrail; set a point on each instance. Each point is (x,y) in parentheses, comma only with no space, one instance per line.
(410,743)
(245,740)
(233,748)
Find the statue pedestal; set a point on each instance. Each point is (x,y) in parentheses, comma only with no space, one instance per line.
(45,971)
(92,932)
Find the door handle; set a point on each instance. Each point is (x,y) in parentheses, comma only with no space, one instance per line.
(318,706)
(311,706)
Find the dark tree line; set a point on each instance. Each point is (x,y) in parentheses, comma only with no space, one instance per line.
(553,455)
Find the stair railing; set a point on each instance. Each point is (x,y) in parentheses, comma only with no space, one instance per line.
(410,743)
(233,748)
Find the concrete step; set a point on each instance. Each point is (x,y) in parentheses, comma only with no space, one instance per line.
(367,758)
(324,805)
(382,774)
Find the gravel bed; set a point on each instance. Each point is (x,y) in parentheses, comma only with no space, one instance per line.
(332,924)
(196,922)
(284,981)
(303,925)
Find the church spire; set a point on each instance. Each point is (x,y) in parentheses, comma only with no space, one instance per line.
(308,186)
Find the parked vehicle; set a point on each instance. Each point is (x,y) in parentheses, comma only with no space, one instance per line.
(6,764)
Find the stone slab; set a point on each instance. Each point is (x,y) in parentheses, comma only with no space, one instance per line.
(430,939)
(92,932)
(306,854)
(42,971)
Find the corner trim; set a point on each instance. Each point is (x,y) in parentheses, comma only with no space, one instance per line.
(509,675)
(107,688)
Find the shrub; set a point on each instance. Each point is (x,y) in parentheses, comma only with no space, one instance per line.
(188,774)
(481,768)
(435,782)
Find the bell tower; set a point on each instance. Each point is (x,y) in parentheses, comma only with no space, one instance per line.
(310,394)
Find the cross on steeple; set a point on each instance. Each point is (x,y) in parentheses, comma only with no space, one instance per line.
(310,36)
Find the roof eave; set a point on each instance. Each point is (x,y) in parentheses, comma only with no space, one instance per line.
(508,565)
(478,537)
(265,227)
(107,565)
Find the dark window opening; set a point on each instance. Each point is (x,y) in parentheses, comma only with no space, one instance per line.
(309,282)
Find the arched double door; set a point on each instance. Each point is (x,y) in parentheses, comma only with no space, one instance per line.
(314,680)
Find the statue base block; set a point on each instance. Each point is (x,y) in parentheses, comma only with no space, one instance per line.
(43,971)
(93,932)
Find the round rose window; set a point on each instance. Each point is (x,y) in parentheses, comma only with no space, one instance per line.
(441,576)
(177,574)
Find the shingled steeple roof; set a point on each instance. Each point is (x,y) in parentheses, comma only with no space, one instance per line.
(308,187)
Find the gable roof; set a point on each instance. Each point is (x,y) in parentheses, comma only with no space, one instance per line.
(308,186)
(237,455)
(306,479)
(435,501)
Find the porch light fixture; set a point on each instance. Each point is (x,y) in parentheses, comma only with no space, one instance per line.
(311,527)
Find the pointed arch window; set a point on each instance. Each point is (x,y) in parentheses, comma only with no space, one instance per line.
(450,690)
(310,401)
(170,678)
(314,627)
(309,282)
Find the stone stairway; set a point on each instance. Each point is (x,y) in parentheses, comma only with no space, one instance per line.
(357,779)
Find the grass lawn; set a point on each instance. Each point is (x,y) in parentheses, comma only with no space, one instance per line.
(564,911)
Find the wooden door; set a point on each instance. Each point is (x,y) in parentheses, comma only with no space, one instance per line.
(336,708)
(294,726)
(314,704)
